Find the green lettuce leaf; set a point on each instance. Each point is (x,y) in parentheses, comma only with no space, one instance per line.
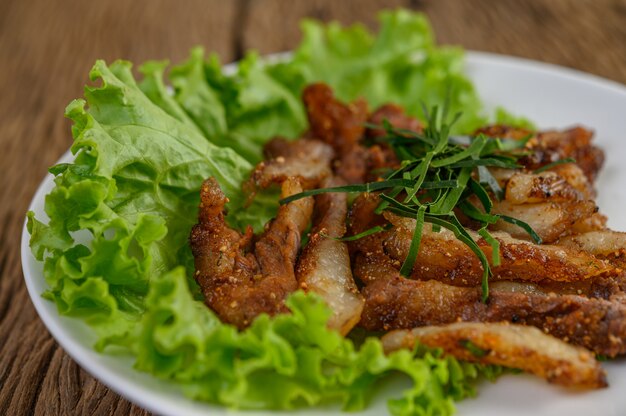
(134,189)
(504,117)
(115,248)
(287,361)
(401,65)
(265,109)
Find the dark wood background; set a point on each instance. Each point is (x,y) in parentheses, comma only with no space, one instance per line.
(48,46)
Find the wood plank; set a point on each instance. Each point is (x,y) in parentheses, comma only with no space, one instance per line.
(583,34)
(587,35)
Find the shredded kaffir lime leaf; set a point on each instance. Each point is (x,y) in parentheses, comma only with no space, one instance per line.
(438,175)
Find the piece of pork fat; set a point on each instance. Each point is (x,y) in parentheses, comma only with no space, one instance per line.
(309,160)
(240,280)
(546,201)
(444,257)
(515,346)
(324,265)
(601,243)
(400,303)
(604,244)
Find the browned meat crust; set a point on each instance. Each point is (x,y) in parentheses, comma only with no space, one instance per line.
(515,346)
(445,258)
(324,265)
(550,146)
(393,302)
(550,203)
(603,244)
(239,284)
(399,303)
(340,125)
(308,160)
(396,116)
(574,143)
(343,127)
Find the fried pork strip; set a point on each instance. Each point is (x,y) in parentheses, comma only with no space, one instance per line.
(400,303)
(603,244)
(547,201)
(575,176)
(444,257)
(340,125)
(237,283)
(396,116)
(324,265)
(308,160)
(514,346)
(528,188)
(394,302)
(550,146)
(381,155)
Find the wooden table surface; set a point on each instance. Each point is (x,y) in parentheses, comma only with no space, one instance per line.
(48,46)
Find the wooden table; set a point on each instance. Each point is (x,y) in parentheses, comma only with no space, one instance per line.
(48,46)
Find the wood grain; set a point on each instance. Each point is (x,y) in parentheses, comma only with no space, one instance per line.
(48,46)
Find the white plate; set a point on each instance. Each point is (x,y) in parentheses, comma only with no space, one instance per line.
(549,95)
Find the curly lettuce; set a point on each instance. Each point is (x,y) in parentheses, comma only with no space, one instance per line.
(115,248)
(402,65)
(286,361)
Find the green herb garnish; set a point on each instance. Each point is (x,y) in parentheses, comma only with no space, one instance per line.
(370,231)
(439,175)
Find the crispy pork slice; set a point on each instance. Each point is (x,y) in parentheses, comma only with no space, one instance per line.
(575,143)
(239,281)
(401,303)
(555,203)
(395,115)
(324,265)
(550,146)
(515,346)
(528,188)
(604,244)
(340,125)
(546,201)
(444,257)
(504,131)
(549,220)
(575,176)
(309,160)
